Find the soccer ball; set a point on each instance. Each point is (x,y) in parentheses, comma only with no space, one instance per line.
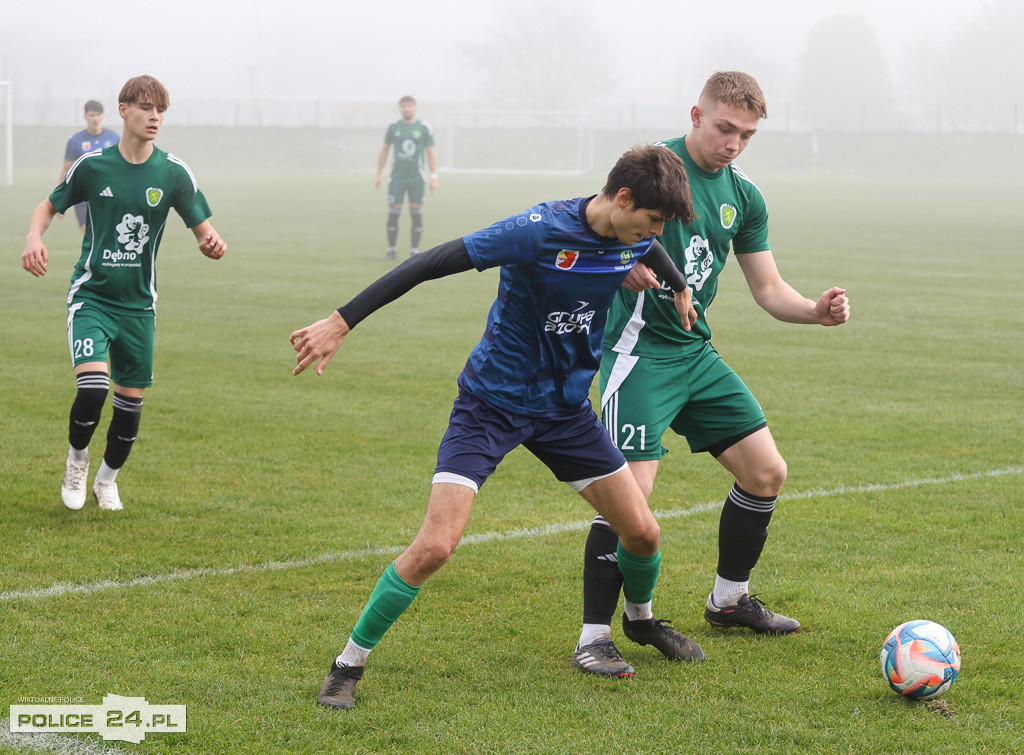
(920,659)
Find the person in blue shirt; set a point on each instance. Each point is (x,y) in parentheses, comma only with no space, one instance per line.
(527,382)
(93,136)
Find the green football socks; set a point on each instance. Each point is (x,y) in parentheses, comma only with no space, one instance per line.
(639,575)
(388,601)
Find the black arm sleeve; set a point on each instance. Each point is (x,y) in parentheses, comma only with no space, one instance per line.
(447,259)
(658,260)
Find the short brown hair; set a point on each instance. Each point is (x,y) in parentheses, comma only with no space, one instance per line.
(93,106)
(735,88)
(656,179)
(407,98)
(145,89)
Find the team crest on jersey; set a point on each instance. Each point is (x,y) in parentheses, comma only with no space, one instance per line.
(566,259)
(153,196)
(626,256)
(728,214)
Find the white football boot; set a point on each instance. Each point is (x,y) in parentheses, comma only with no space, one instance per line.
(73,486)
(106,495)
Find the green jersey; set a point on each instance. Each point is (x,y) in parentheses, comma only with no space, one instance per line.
(128,208)
(730,210)
(411,141)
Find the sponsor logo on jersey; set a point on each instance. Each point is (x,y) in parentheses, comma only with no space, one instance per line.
(566,259)
(153,196)
(728,215)
(567,323)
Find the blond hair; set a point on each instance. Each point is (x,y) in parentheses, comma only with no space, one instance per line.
(735,88)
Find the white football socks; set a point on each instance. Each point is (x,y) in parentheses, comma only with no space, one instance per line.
(638,611)
(592,633)
(352,655)
(106,474)
(728,593)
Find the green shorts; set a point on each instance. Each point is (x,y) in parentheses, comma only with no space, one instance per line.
(698,396)
(399,187)
(125,341)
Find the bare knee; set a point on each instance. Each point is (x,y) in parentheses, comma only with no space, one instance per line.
(437,554)
(422,559)
(644,540)
(776,476)
(767,479)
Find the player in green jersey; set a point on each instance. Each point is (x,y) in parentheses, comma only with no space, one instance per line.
(656,376)
(413,141)
(130,187)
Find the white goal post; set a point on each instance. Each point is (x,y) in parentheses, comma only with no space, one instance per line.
(6,89)
(508,142)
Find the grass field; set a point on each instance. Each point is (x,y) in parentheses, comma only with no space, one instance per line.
(260,508)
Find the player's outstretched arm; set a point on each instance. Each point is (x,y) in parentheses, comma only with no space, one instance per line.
(319,341)
(210,242)
(35,259)
(322,339)
(782,301)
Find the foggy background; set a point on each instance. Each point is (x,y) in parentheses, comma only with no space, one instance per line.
(877,65)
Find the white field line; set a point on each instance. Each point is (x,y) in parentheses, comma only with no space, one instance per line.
(61,744)
(526,533)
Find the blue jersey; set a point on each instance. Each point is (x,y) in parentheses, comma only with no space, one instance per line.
(83,142)
(542,344)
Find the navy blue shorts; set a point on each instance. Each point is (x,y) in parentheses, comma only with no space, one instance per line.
(573,444)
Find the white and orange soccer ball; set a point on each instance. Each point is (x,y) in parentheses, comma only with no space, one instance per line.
(920,659)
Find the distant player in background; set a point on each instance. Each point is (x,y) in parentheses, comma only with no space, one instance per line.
(131,187)
(413,141)
(528,379)
(656,375)
(93,137)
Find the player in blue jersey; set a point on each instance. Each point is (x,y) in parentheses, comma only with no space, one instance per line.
(528,379)
(93,136)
